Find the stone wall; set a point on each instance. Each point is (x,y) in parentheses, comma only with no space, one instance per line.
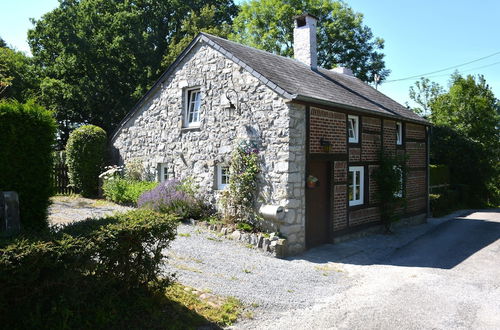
(154,134)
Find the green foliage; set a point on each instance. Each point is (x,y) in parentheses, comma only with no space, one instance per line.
(207,20)
(448,201)
(85,157)
(85,275)
(99,56)
(125,191)
(423,93)
(27,133)
(239,198)
(245,226)
(389,177)
(18,76)
(343,39)
(439,174)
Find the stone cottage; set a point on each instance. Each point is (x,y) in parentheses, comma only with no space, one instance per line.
(306,120)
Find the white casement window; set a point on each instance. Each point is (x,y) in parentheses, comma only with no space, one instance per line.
(398,170)
(222,176)
(162,172)
(192,107)
(353,128)
(356,185)
(399,133)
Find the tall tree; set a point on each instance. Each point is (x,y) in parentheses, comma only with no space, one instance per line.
(18,75)
(206,20)
(423,93)
(343,39)
(99,56)
(2,43)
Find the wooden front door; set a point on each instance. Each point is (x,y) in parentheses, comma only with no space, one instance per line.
(318,205)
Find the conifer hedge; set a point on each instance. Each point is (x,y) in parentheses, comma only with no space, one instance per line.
(27,135)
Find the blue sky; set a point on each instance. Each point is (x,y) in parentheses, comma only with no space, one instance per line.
(420,36)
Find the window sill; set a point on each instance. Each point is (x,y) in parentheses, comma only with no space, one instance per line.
(191,128)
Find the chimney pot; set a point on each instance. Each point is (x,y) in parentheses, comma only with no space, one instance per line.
(305,40)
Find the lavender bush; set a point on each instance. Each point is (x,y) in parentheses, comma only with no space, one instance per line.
(174,197)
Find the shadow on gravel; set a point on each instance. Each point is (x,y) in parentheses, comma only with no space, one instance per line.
(446,246)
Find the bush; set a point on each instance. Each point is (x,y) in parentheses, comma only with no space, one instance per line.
(27,134)
(174,196)
(126,192)
(439,174)
(85,157)
(85,275)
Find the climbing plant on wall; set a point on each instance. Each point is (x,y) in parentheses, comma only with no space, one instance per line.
(238,200)
(390,179)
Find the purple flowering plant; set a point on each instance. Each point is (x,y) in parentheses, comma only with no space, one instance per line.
(175,197)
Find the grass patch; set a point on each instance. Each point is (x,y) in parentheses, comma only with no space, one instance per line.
(246,271)
(214,239)
(223,313)
(185,267)
(184,234)
(328,268)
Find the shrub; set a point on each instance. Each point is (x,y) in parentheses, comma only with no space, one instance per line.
(126,192)
(27,134)
(439,174)
(85,156)
(86,274)
(174,196)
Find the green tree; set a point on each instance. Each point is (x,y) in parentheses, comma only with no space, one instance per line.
(469,119)
(343,39)
(206,20)
(100,56)
(423,93)
(2,43)
(18,75)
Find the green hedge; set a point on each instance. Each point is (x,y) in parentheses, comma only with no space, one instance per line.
(27,135)
(439,174)
(92,274)
(124,191)
(85,158)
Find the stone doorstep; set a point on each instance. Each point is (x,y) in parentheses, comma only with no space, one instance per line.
(275,245)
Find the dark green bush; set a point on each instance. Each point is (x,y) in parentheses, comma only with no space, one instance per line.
(126,192)
(439,174)
(448,201)
(27,134)
(85,157)
(85,275)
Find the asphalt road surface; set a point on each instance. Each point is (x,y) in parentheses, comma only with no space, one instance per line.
(447,278)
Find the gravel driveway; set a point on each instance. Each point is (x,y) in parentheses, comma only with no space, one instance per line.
(440,275)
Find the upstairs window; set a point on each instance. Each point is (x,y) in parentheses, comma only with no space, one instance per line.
(356,185)
(399,133)
(222,176)
(192,107)
(353,128)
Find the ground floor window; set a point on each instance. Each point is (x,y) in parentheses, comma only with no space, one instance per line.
(222,176)
(356,185)
(162,172)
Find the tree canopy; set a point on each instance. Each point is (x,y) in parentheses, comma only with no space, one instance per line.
(18,77)
(98,56)
(343,39)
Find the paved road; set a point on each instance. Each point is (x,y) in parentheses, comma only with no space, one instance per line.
(448,278)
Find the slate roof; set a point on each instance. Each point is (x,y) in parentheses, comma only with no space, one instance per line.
(295,80)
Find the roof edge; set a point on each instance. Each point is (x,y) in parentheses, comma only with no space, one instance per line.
(368,111)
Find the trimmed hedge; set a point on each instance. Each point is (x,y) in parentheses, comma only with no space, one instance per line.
(85,158)
(85,275)
(439,174)
(126,192)
(27,135)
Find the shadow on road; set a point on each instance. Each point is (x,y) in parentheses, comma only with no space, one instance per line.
(445,246)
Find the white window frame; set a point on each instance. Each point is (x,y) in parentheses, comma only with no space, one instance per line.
(358,200)
(401,182)
(192,107)
(162,172)
(221,183)
(355,128)
(399,133)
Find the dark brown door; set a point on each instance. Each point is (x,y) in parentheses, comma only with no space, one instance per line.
(318,205)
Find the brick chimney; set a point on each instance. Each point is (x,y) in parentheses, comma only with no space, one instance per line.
(304,40)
